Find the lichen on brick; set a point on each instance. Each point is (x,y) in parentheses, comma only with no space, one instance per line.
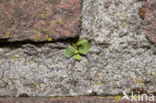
(56,19)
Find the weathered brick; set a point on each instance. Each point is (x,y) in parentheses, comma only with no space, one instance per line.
(59,100)
(150,19)
(39,20)
(90,99)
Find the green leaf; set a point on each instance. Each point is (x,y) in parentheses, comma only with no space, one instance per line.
(78,57)
(78,43)
(70,51)
(84,47)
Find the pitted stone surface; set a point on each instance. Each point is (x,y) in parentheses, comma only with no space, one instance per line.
(39,20)
(121,57)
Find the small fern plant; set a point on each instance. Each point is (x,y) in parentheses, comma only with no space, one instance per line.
(77,50)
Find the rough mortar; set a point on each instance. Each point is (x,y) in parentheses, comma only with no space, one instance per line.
(121,57)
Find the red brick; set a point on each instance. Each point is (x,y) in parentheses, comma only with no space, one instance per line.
(90,99)
(150,19)
(59,100)
(39,20)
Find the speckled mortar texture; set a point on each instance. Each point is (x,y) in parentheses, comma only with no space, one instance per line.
(121,57)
